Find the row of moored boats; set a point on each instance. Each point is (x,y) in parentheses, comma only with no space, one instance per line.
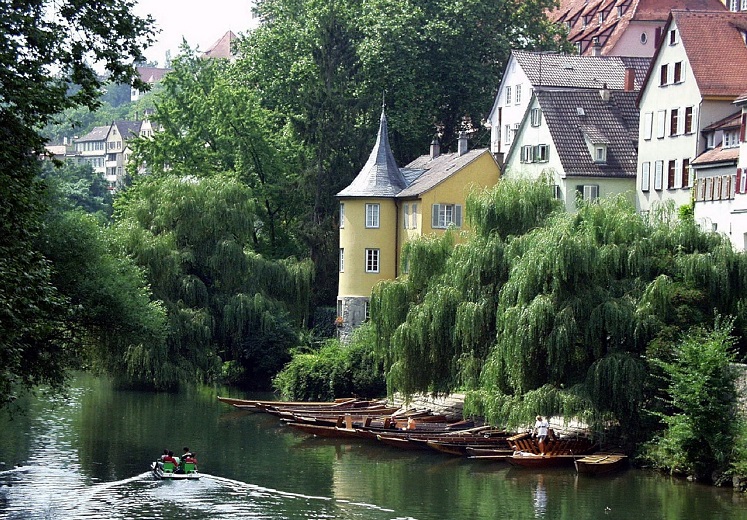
(413,429)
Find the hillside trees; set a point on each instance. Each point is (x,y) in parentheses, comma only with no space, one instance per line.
(36,38)
(553,313)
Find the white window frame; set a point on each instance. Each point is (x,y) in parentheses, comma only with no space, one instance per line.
(406,216)
(557,193)
(342,259)
(600,153)
(509,95)
(414,216)
(541,153)
(731,139)
(527,153)
(373,215)
(658,175)
(507,137)
(588,192)
(645,176)
(648,125)
(673,37)
(446,215)
(518,95)
(342,215)
(536,116)
(661,124)
(372,259)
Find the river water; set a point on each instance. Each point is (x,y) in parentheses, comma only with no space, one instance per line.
(86,456)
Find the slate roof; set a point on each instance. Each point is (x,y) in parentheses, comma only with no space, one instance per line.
(427,173)
(614,121)
(380,177)
(716,49)
(128,129)
(98,133)
(566,70)
(221,48)
(613,27)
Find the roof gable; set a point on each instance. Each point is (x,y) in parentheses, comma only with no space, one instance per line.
(380,176)
(222,48)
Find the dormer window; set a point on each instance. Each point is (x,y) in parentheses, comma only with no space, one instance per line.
(730,139)
(710,140)
(600,153)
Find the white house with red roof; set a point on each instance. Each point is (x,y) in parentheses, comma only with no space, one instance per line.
(689,87)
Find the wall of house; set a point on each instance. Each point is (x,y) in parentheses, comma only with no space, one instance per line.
(510,114)
(656,98)
(637,40)
(355,238)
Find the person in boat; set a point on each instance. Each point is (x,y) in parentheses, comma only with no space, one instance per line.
(540,430)
(168,456)
(165,454)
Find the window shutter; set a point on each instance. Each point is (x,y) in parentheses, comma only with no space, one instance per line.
(434,216)
(458,215)
(645,176)
(742,128)
(738,187)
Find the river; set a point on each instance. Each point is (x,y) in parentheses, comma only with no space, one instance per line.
(86,456)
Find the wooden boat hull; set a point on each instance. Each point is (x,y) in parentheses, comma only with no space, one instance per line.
(600,463)
(321,430)
(530,460)
(259,404)
(158,472)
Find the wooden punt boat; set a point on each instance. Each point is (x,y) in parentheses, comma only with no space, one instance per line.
(321,430)
(462,449)
(532,460)
(600,463)
(558,452)
(259,404)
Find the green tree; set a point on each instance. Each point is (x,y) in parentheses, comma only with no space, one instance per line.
(225,302)
(702,426)
(550,312)
(37,37)
(77,186)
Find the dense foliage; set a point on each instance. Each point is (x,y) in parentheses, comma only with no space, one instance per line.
(334,371)
(225,302)
(702,427)
(45,47)
(553,313)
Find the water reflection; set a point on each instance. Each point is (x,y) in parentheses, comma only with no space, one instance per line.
(85,456)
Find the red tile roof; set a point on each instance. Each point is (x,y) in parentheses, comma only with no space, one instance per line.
(222,48)
(716,50)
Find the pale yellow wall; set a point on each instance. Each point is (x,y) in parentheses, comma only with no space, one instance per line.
(480,173)
(355,238)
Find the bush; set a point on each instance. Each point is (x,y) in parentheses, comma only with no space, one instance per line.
(334,371)
(701,431)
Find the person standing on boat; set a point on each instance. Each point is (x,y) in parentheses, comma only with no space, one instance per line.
(540,430)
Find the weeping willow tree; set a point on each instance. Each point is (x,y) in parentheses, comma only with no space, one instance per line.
(548,312)
(225,301)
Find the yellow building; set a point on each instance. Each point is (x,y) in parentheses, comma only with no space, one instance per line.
(385,206)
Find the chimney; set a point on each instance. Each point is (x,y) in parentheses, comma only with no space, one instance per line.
(596,48)
(462,144)
(435,148)
(604,93)
(629,79)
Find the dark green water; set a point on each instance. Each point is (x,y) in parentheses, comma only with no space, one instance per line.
(87,456)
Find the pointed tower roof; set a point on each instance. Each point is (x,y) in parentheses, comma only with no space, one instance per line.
(380,177)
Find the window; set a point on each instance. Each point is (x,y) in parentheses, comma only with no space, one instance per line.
(730,139)
(644,38)
(648,123)
(601,17)
(588,192)
(674,116)
(726,187)
(645,176)
(342,214)
(414,217)
(658,173)
(663,74)
(733,5)
(678,72)
(742,127)
(542,153)
(518,94)
(406,214)
(342,259)
(673,37)
(741,184)
(743,5)
(671,174)
(508,95)
(536,116)
(688,120)
(372,260)
(527,154)
(372,215)
(600,154)
(717,188)
(556,193)
(584,21)
(620,11)
(508,134)
(710,140)
(661,120)
(514,130)
(685,172)
(445,215)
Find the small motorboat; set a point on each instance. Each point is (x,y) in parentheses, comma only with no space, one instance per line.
(168,471)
